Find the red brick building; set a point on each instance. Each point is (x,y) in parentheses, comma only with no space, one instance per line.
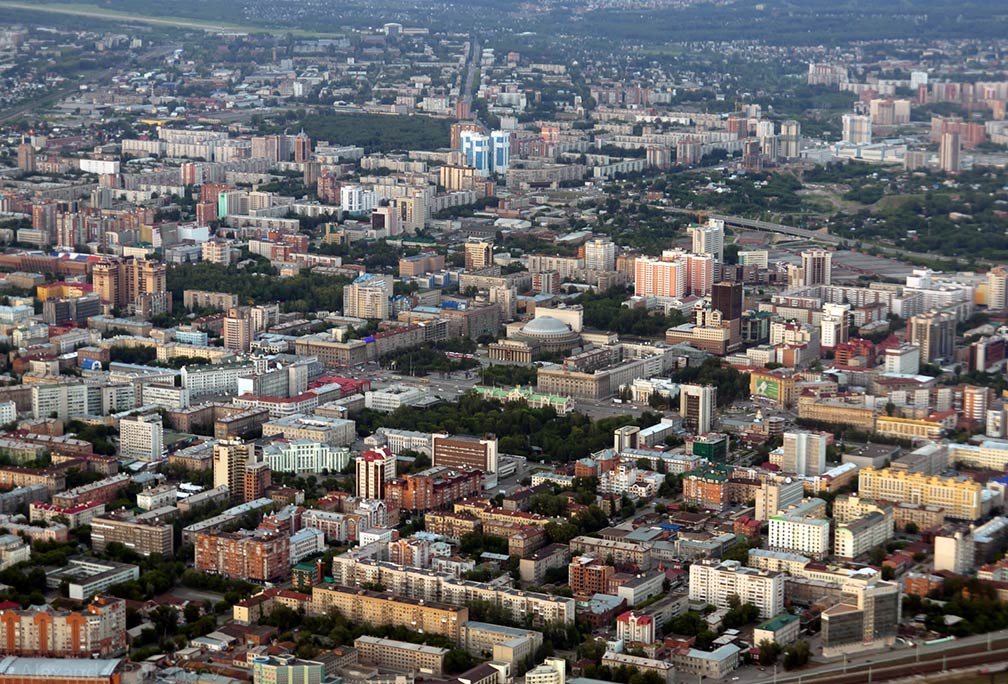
(261,556)
(433,489)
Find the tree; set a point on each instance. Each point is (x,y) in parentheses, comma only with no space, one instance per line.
(768,652)
(796,655)
(165,620)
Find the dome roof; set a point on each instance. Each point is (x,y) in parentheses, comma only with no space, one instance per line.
(545,326)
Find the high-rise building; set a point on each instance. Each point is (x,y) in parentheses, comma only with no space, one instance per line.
(477,149)
(696,407)
(866,617)
(817,267)
(478,254)
(26,157)
(302,148)
(708,238)
(934,332)
(659,278)
(122,283)
(600,255)
(804,453)
(368,296)
(790,139)
(997,288)
(699,274)
(834,325)
(375,468)
(356,200)
(500,142)
(726,297)
(237,331)
(857,129)
(142,437)
(230,459)
(948,152)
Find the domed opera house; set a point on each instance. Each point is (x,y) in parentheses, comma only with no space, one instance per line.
(552,335)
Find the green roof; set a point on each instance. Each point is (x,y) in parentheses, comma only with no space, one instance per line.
(776,623)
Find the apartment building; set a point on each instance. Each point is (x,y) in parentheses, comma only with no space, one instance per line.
(799,534)
(363,606)
(145,537)
(401,656)
(96,630)
(716,582)
(259,556)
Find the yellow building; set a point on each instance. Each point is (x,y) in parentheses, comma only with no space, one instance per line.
(908,428)
(960,497)
(365,607)
(778,386)
(61,290)
(837,413)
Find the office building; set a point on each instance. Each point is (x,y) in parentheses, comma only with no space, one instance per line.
(902,360)
(500,147)
(477,149)
(804,453)
(933,333)
(305,456)
(817,267)
(865,618)
(696,407)
(960,497)
(86,577)
(368,296)
(777,494)
(708,238)
(142,437)
(463,451)
(716,583)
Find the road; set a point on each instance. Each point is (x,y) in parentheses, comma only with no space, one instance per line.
(819,236)
(474,59)
(765,226)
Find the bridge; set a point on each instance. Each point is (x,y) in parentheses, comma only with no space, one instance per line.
(764,226)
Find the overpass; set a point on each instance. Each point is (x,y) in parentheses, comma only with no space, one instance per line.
(765,226)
